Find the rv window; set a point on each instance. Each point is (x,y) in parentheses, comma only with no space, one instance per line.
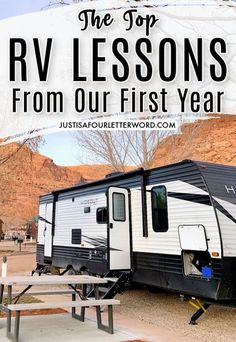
(102,215)
(118,206)
(159,209)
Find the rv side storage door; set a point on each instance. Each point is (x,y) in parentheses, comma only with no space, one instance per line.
(119,228)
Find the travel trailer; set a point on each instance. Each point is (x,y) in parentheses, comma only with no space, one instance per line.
(171,227)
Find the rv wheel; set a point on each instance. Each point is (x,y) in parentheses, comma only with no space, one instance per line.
(84,271)
(51,270)
(38,270)
(72,271)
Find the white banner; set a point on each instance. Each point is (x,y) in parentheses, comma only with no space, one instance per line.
(98,59)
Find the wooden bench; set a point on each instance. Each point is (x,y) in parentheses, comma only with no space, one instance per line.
(67,304)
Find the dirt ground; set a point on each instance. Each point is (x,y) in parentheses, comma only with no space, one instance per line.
(11,248)
(161,313)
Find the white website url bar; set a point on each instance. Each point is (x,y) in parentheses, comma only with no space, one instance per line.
(131,125)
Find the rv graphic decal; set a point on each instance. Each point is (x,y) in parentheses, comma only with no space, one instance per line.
(44,220)
(99,242)
(224,211)
(201,199)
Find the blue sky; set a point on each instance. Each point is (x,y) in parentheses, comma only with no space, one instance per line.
(60,147)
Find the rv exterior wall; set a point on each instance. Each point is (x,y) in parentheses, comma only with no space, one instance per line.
(179,212)
(228,235)
(70,215)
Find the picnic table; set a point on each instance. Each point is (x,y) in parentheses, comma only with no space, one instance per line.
(79,298)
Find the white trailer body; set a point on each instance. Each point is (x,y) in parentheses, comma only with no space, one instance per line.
(172,227)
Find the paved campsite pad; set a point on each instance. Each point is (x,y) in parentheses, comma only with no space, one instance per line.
(62,328)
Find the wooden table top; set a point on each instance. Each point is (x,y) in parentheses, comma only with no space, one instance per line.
(51,280)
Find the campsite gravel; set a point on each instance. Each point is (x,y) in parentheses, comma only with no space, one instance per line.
(166,310)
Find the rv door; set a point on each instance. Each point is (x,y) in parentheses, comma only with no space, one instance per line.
(48,231)
(119,229)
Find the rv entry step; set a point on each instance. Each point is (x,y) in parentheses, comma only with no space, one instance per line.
(117,282)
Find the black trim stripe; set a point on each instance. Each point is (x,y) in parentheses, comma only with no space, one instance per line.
(201,199)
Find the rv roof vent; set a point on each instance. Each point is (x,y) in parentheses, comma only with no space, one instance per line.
(112,174)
